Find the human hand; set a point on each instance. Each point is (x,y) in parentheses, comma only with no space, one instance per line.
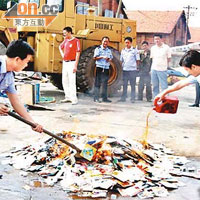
(104,57)
(160,96)
(38,128)
(107,59)
(75,69)
(3,109)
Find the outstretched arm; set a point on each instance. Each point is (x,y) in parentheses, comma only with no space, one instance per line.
(177,86)
(20,109)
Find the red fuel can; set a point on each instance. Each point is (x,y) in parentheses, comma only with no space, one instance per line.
(168,105)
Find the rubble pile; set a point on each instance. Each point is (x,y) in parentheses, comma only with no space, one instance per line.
(119,165)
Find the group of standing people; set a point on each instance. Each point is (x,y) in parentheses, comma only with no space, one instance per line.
(150,65)
(157,61)
(136,64)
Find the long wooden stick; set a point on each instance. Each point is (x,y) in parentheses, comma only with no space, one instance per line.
(44,130)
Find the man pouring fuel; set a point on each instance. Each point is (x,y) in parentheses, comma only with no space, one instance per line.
(191,63)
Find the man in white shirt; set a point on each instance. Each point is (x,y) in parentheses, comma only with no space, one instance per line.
(160,54)
(191,63)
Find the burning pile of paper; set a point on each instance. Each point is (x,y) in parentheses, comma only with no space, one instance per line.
(119,165)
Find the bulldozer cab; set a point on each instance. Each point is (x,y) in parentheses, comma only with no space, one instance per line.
(87,27)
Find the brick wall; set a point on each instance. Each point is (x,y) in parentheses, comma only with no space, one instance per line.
(175,38)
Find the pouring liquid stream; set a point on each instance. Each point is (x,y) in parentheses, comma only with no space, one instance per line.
(146,132)
(167,105)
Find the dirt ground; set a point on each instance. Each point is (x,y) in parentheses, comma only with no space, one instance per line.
(178,131)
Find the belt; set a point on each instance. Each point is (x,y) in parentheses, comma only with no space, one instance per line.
(69,60)
(101,67)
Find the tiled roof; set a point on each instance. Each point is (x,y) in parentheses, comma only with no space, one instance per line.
(195,34)
(155,21)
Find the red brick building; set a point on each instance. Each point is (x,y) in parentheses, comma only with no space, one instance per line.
(109,7)
(195,34)
(170,24)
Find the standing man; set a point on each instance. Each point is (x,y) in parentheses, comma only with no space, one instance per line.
(70,52)
(103,57)
(144,73)
(130,60)
(160,54)
(18,54)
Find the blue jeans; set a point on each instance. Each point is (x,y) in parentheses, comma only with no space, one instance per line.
(158,78)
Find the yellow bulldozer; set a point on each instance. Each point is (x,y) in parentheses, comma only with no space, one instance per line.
(88,28)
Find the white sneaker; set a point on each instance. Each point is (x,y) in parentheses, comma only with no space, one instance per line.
(65,101)
(74,102)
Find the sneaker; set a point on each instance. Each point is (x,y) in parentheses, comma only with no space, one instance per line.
(74,102)
(107,100)
(194,105)
(149,100)
(121,100)
(97,100)
(132,100)
(65,101)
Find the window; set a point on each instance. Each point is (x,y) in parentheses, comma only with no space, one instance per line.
(121,16)
(23,1)
(56,2)
(109,13)
(30,1)
(35,1)
(81,8)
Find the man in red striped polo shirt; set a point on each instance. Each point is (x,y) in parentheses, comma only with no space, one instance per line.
(70,52)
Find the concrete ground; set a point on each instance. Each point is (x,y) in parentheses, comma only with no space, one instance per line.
(178,131)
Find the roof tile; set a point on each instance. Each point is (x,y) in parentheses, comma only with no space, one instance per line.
(155,21)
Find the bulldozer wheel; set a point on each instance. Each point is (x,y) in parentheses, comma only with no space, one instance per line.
(56,80)
(86,72)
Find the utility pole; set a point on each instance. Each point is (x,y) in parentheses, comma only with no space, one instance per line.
(188,14)
(100,7)
(119,8)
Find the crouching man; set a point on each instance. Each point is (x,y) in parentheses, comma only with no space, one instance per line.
(191,63)
(18,54)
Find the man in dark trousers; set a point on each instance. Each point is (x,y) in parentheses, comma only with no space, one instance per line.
(144,72)
(103,57)
(17,56)
(130,60)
